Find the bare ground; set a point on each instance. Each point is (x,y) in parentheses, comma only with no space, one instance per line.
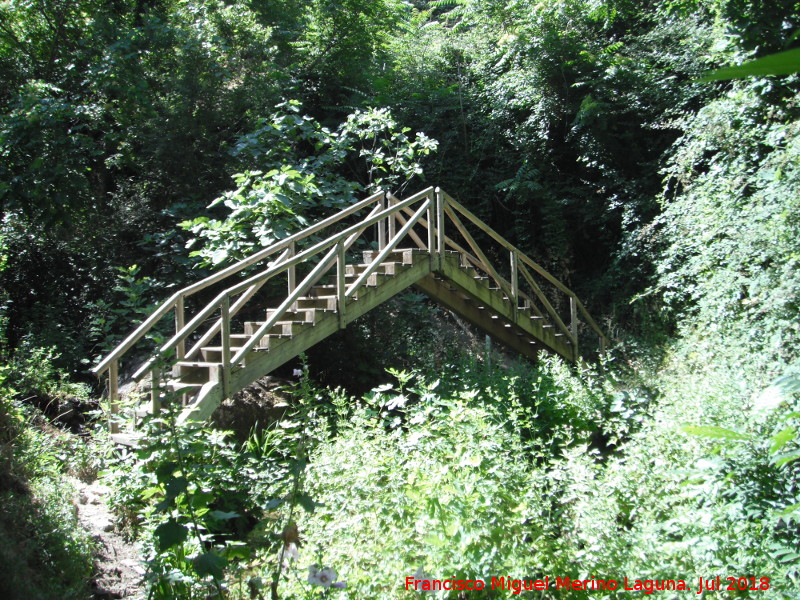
(118,570)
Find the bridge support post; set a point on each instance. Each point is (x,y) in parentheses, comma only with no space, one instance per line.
(392,217)
(514,283)
(341,301)
(226,346)
(180,321)
(440,243)
(381,225)
(432,232)
(291,273)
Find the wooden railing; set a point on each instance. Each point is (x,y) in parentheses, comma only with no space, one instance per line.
(424,217)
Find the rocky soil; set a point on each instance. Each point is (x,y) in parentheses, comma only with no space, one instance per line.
(118,570)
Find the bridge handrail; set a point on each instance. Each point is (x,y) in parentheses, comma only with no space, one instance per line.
(528,261)
(273,270)
(176,300)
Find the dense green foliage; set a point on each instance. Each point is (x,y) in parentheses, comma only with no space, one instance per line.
(144,142)
(45,553)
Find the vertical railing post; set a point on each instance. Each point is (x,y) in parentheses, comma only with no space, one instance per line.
(113,396)
(290,272)
(573,324)
(155,391)
(440,246)
(341,301)
(431,231)
(514,281)
(392,217)
(225,308)
(382,226)
(180,321)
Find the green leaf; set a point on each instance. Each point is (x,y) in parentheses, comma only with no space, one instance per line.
(176,487)
(785,459)
(218,256)
(223,516)
(210,564)
(779,440)
(307,502)
(435,540)
(453,528)
(165,470)
(781,63)
(711,431)
(170,534)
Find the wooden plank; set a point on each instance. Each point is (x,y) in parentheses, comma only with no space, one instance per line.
(226,347)
(341,300)
(155,391)
(440,237)
(132,440)
(180,321)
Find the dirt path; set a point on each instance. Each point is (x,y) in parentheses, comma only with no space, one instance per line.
(118,569)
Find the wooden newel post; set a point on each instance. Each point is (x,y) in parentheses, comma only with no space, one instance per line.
(573,324)
(382,226)
(340,279)
(180,321)
(440,245)
(514,280)
(392,217)
(429,215)
(113,396)
(225,307)
(290,272)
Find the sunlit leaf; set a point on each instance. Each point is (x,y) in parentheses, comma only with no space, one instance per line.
(781,63)
(711,431)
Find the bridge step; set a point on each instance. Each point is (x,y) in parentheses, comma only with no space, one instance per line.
(299,315)
(406,256)
(387,268)
(323,302)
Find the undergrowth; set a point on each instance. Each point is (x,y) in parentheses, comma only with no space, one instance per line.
(45,553)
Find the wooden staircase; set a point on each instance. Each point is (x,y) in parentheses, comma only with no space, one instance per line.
(218,352)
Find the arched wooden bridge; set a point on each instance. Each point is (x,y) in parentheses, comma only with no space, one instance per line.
(427,240)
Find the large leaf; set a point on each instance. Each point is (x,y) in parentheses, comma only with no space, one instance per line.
(782,63)
(711,431)
(170,534)
(210,564)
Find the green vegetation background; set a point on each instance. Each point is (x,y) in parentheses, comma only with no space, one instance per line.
(144,142)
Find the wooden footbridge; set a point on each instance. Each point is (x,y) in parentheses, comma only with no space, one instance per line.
(427,240)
